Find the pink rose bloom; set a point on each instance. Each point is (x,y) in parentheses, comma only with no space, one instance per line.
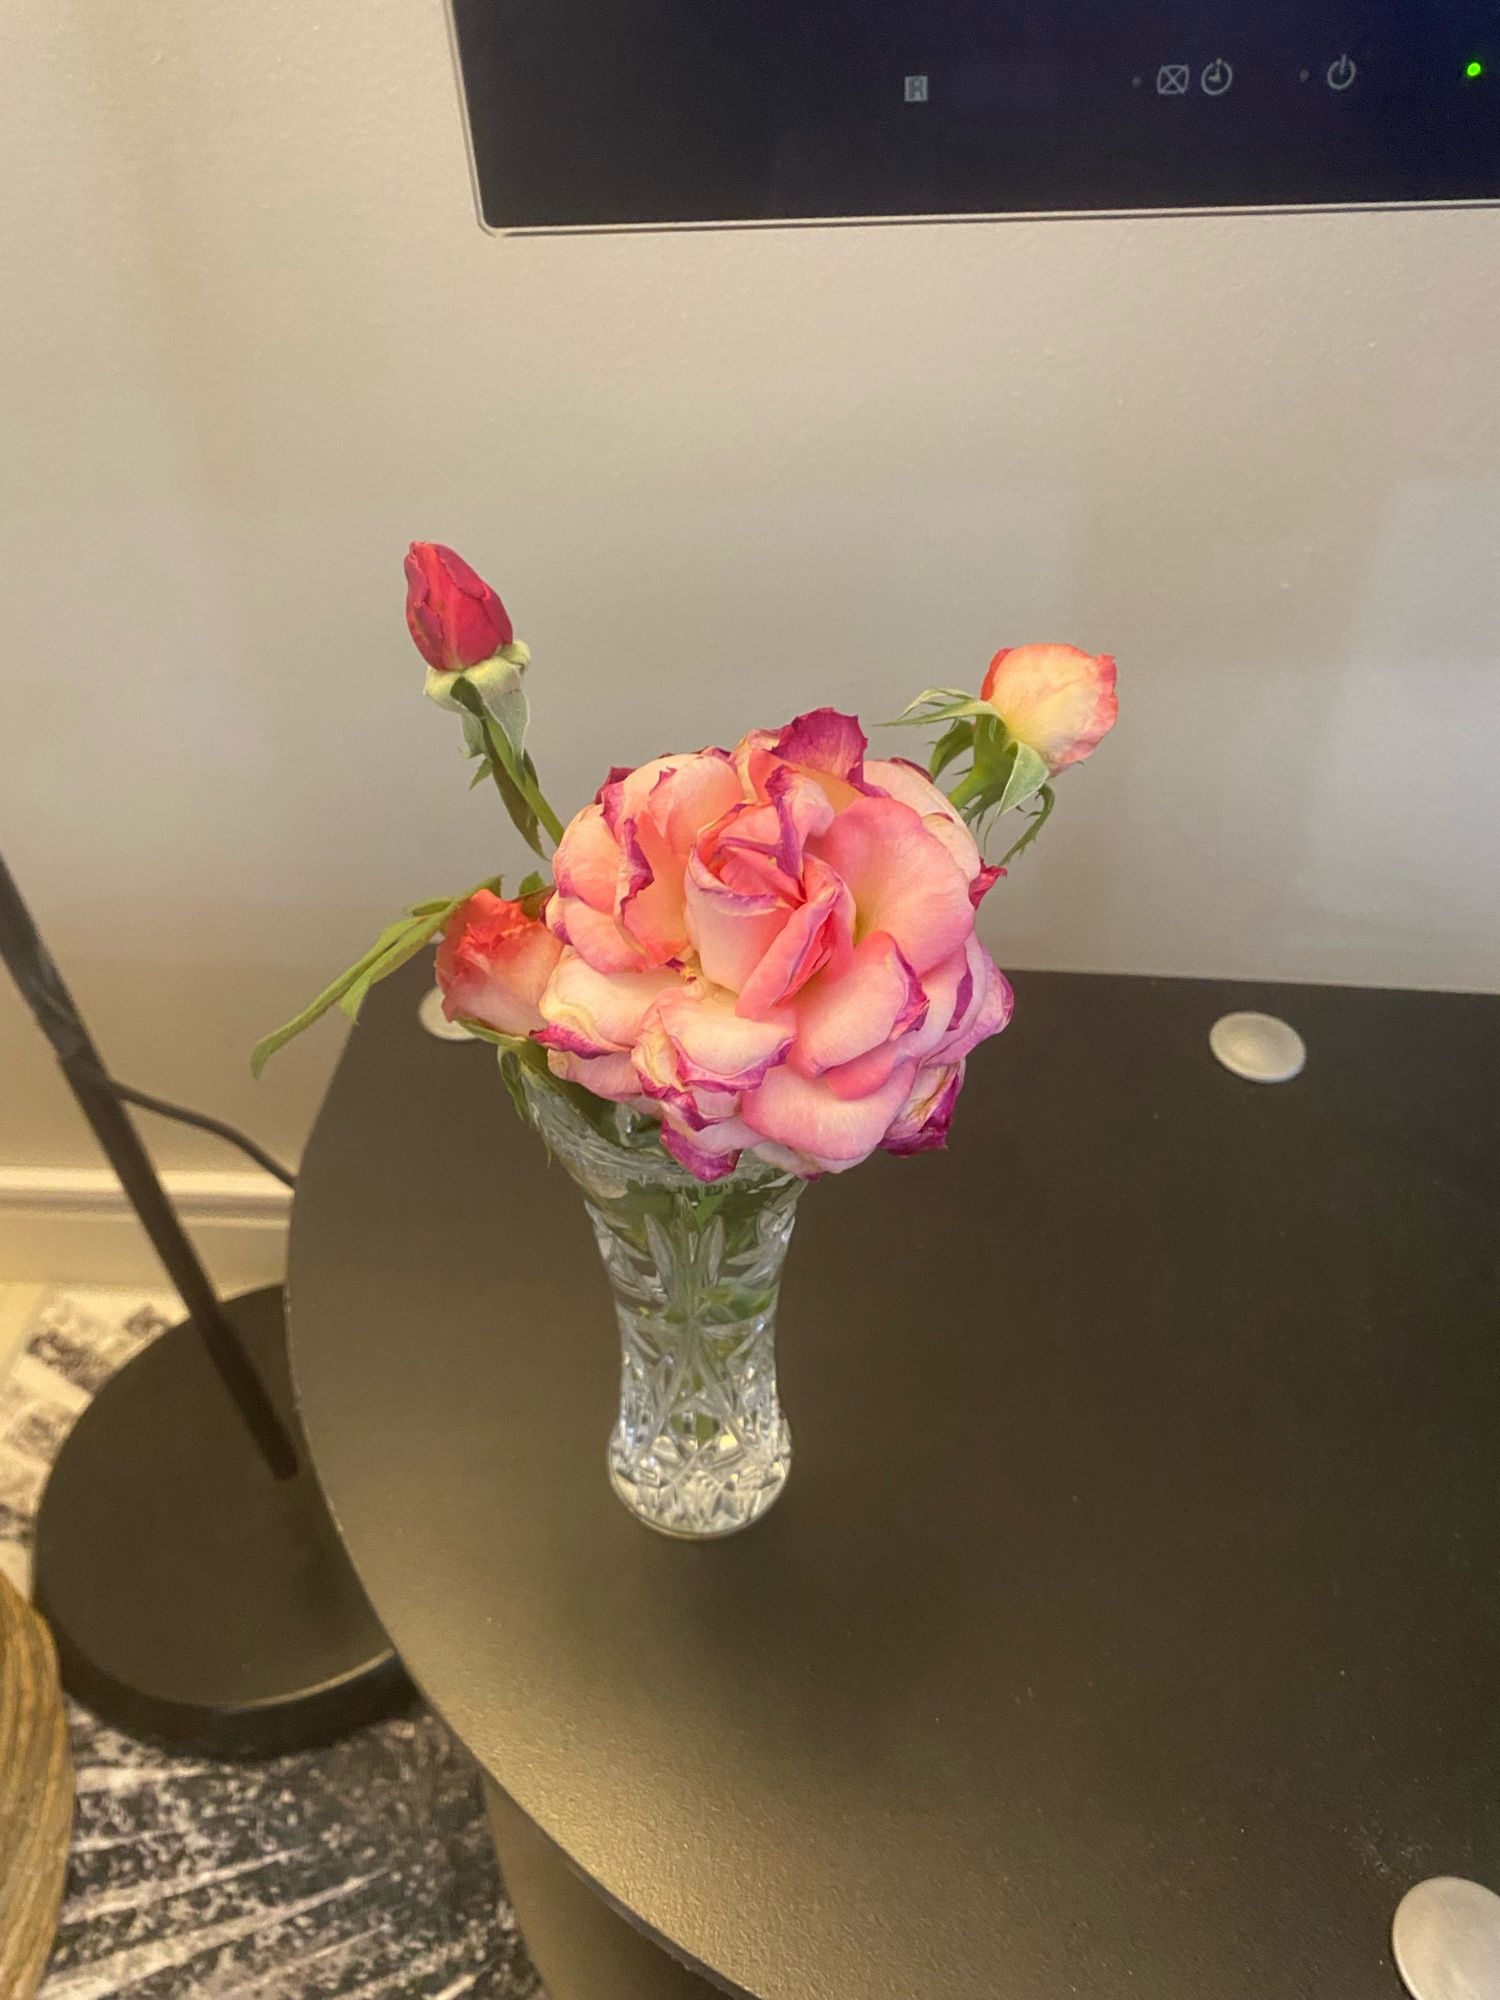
(494,964)
(454,617)
(1058,700)
(773,949)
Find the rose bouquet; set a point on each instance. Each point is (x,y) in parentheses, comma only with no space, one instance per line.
(751,967)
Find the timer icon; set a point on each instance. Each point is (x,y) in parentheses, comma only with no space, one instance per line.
(1341,72)
(1217,77)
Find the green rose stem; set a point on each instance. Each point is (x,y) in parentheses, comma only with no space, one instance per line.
(524,785)
(512,770)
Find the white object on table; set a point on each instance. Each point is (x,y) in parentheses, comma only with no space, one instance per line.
(1258,1047)
(1446,1938)
(436,1022)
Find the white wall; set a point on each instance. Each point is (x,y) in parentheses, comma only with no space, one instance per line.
(253,341)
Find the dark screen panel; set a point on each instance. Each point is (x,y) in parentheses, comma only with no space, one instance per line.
(587,113)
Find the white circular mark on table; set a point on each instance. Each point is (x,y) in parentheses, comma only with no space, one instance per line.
(1259,1047)
(1446,1938)
(436,1022)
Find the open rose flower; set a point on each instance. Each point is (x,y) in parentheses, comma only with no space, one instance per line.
(494,964)
(1056,699)
(454,617)
(773,949)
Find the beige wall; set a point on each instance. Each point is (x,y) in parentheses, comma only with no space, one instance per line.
(254,341)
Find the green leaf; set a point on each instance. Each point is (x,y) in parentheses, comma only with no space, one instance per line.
(420,931)
(532,885)
(396,944)
(331,996)
(267,1046)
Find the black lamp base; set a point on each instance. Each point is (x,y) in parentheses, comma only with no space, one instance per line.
(195,1599)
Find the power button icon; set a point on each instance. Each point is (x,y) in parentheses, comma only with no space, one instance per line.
(1341,72)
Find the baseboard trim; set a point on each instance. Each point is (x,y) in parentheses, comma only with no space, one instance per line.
(75,1224)
(250,1197)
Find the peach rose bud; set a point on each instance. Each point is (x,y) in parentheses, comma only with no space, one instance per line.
(494,963)
(1057,700)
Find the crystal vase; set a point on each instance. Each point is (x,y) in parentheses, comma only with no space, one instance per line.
(700,1447)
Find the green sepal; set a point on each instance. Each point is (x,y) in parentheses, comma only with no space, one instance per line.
(951,745)
(534,894)
(939,705)
(1004,773)
(496,684)
(1025,778)
(1037,821)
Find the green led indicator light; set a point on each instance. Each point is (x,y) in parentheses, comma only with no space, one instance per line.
(1473,69)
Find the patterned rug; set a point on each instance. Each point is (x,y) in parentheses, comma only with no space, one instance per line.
(360,1872)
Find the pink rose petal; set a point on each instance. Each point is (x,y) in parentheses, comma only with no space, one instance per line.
(612,1077)
(716,1046)
(825,740)
(805,1116)
(924,1120)
(903,879)
(855,1006)
(594,936)
(587,862)
(898,778)
(731,932)
(809,938)
(601,1009)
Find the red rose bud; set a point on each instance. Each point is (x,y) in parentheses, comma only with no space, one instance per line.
(454,617)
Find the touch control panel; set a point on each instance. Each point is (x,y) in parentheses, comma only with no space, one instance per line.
(589,113)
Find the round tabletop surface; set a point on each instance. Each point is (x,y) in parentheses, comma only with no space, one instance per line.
(1129,1624)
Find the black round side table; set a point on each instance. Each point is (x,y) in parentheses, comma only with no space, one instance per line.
(1128,1626)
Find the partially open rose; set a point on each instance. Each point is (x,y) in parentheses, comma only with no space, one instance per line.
(773,949)
(494,963)
(1056,699)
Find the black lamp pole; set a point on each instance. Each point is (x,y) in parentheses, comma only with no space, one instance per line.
(185,1559)
(31,967)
